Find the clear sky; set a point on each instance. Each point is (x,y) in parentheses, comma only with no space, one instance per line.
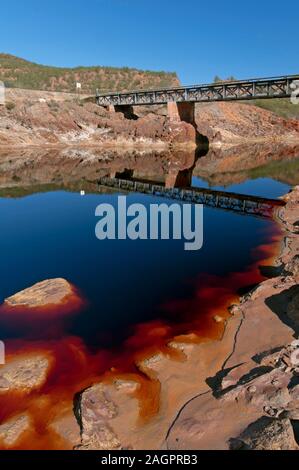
(197,39)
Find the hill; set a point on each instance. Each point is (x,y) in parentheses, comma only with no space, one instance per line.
(20,73)
(282,107)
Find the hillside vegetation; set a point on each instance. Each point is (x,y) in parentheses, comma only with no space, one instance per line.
(19,73)
(282,106)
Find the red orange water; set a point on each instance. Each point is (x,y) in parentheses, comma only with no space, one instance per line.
(74,367)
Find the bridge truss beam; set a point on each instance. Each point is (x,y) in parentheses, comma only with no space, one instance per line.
(243,204)
(277,87)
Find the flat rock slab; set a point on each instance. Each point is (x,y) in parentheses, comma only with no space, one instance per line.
(25,372)
(67,427)
(42,294)
(13,429)
(266,434)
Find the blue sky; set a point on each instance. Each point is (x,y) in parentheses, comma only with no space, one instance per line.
(196,39)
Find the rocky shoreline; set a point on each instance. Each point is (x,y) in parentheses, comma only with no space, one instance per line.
(256,383)
(59,120)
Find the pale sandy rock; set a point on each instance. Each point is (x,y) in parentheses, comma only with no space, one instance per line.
(294,358)
(292,411)
(129,386)
(95,409)
(182,346)
(293,266)
(13,429)
(266,434)
(153,362)
(102,439)
(24,372)
(206,422)
(233,122)
(48,292)
(67,427)
(218,319)
(267,391)
(234,309)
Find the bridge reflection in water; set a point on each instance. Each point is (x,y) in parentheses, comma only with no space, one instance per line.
(241,203)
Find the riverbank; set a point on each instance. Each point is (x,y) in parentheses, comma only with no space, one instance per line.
(257,384)
(49,119)
(210,383)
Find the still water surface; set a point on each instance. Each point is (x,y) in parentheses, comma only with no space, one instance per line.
(138,294)
(52,234)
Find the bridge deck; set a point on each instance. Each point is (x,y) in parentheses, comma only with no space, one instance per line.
(257,88)
(244,204)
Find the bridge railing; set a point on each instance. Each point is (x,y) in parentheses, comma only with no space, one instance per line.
(271,87)
(241,203)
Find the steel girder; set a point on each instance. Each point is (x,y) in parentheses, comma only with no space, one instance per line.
(277,87)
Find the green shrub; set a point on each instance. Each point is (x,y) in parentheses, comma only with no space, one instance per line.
(10,105)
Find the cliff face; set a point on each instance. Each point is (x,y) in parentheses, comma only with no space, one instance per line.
(37,119)
(227,122)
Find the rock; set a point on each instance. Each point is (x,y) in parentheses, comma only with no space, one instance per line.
(24,372)
(228,381)
(45,293)
(67,427)
(294,358)
(234,309)
(221,122)
(218,319)
(294,392)
(292,267)
(292,413)
(53,123)
(95,409)
(152,362)
(292,410)
(266,434)
(129,386)
(13,429)
(293,306)
(267,390)
(103,439)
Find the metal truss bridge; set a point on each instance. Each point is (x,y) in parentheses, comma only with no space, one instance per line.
(243,204)
(256,88)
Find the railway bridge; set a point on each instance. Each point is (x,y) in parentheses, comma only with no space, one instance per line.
(181,101)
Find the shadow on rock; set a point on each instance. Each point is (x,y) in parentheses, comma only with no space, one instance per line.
(286,306)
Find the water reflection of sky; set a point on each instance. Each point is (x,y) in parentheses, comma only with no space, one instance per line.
(264,187)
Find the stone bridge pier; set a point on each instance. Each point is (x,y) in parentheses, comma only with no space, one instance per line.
(181,111)
(126,109)
(176,111)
